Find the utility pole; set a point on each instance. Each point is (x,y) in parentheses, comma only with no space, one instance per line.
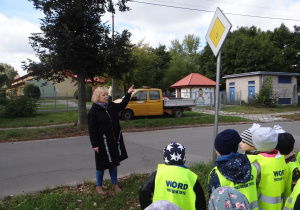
(113,83)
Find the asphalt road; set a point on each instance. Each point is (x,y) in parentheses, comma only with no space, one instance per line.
(27,167)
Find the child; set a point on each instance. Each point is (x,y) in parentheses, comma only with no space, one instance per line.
(173,182)
(286,147)
(247,144)
(271,166)
(232,168)
(227,198)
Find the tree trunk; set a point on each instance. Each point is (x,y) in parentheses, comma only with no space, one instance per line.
(82,116)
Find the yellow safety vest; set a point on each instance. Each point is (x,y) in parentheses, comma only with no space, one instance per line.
(248,189)
(290,202)
(252,158)
(176,185)
(274,175)
(291,167)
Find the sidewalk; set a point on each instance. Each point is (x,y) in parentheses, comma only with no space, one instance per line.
(275,117)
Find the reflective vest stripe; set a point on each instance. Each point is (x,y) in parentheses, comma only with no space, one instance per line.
(254,205)
(270,200)
(290,202)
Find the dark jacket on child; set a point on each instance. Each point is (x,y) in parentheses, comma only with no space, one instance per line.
(235,167)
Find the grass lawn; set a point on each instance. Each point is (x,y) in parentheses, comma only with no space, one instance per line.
(56,118)
(84,196)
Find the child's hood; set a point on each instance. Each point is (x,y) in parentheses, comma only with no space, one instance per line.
(236,169)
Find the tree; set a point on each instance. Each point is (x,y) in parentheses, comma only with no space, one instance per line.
(32,91)
(149,66)
(73,39)
(7,73)
(184,59)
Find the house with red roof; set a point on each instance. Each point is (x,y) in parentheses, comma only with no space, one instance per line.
(196,86)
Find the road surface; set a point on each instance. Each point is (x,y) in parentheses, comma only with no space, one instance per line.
(31,166)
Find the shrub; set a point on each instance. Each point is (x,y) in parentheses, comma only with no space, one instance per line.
(3,99)
(265,97)
(20,106)
(31,90)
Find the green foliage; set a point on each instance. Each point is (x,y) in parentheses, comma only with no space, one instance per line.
(265,97)
(88,93)
(31,90)
(184,59)
(3,99)
(7,73)
(20,107)
(73,38)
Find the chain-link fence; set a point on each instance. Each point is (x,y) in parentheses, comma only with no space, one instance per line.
(60,102)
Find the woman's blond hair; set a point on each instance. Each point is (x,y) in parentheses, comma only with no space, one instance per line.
(97,92)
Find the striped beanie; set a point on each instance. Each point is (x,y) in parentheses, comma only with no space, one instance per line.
(246,137)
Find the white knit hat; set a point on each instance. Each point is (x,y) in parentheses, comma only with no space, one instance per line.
(264,138)
(278,129)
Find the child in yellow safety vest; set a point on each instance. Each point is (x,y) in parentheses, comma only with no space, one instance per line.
(247,145)
(285,145)
(173,182)
(232,168)
(271,168)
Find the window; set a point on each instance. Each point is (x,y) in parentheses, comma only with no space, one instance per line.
(284,79)
(154,94)
(231,83)
(284,100)
(251,82)
(141,96)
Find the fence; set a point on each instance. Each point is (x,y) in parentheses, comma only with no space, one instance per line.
(60,102)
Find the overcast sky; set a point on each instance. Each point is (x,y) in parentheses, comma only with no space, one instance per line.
(154,21)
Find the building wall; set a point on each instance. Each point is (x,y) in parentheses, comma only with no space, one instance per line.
(203,95)
(281,90)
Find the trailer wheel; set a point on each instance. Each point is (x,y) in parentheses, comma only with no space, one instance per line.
(177,112)
(127,115)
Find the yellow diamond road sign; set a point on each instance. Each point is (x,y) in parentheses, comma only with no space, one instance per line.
(217,31)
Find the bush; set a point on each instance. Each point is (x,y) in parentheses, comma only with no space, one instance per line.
(31,90)
(3,99)
(265,97)
(88,93)
(20,106)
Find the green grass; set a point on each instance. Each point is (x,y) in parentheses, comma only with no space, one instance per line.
(42,118)
(57,118)
(189,118)
(84,196)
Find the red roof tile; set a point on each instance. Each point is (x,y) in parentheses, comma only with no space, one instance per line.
(194,79)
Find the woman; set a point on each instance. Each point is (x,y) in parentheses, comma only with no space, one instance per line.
(106,135)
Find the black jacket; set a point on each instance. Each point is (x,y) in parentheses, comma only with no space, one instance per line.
(105,133)
(147,190)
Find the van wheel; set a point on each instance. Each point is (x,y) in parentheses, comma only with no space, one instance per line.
(127,115)
(177,113)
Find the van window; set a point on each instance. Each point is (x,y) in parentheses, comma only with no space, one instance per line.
(154,95)
(141,96)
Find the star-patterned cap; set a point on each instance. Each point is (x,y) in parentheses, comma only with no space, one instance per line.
(174,154)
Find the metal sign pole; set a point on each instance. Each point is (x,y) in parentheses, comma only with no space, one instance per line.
(217,104)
